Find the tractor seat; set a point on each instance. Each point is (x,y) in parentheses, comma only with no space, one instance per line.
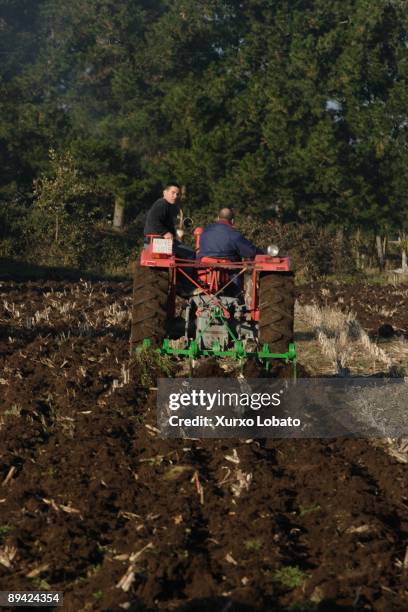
(212,276)
(213,261)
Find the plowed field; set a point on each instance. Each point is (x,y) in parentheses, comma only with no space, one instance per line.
(95,504)
(373,305)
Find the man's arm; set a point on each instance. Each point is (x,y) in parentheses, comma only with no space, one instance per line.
(245,247)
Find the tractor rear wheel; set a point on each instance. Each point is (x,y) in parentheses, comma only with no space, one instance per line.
(277,306)
(149,307)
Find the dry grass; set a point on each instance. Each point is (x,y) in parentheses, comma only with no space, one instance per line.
(342,340)
(68,305)
(337,344)
(382,311)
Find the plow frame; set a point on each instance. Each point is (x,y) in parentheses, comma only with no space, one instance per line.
(194,351)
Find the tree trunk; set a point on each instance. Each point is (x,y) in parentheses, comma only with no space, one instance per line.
(357,259)
(380,252)
(357,239)
(118,214)
(404,263)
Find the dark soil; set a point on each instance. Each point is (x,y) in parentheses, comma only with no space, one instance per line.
(86,482)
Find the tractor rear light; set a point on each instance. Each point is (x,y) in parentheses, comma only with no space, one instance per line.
(162,247)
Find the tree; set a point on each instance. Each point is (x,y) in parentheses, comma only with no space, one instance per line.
(65,187)
(61,219)
(23,131)
(290,108)
(95,55)
(299,107)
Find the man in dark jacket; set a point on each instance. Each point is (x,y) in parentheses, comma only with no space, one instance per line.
(161,219)
(222,239)
(162,215)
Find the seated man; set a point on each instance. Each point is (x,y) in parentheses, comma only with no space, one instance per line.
(161,220)
(222,239)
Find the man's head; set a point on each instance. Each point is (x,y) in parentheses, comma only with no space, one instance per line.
(171,192)
(226,214)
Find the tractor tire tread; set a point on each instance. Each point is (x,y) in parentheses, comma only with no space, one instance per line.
(276,319)
(149,305)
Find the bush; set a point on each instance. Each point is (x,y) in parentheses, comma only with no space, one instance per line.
(69,249)
(60,225)
(13,217)
(315,251)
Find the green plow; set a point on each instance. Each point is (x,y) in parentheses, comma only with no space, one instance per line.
(238,352)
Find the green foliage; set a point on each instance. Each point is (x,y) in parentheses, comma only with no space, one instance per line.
(303,606)
(61,220)
(315,250)
(253,545)
(13,215)
(289,109)
(5,530)
(70,249)
(290,576)
(65,187)
(305,510)
(24,131)
(6,247)
(40,584)
(149,365)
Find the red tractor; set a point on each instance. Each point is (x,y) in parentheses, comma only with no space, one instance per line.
(213,307)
